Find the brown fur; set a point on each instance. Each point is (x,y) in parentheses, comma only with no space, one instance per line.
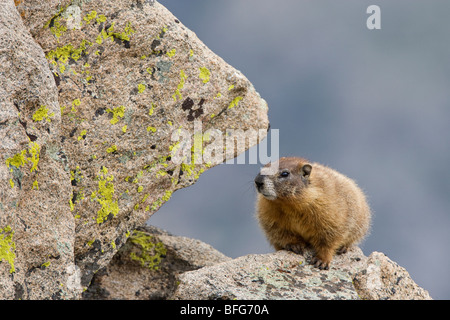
(314,206)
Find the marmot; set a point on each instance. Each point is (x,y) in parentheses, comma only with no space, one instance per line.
(302,204)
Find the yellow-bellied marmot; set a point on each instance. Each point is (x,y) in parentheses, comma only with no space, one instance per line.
(302,204)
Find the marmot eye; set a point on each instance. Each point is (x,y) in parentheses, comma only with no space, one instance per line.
(284,174)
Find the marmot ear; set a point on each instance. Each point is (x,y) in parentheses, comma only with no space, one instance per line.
(306,170)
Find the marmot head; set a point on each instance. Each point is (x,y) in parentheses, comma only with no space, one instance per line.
(283,179)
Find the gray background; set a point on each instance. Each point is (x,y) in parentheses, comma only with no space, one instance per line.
(374,105)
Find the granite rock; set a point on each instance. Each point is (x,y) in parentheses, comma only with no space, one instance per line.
(383,279)
(147,266)
(37,229)
(288,276)
(98,101)
(278,275)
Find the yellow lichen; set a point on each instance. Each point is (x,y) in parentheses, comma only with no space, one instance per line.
(7,247)
(90,16)
(141,88)
(105,196)
(234,102)
(17,160)
(167,195)
(150,112)
(204,74)
(150,252)
(112,149)
(101,18)
(117,112)
(171,53)
(34,159)
(180,86)
(42,113)
(20,158)
(82,135)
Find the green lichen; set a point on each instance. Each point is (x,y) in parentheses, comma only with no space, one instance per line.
(42,113)
(7,247)
(204,74)
(151,253)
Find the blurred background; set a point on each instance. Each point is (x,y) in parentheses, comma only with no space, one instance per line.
(373,104)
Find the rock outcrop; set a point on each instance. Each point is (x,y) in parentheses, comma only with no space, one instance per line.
(97,97)
(188,269)
(99,102)
(148,265)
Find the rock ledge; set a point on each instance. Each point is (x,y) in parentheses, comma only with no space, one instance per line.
(193,270)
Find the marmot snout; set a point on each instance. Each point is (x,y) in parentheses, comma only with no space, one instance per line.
(302,204)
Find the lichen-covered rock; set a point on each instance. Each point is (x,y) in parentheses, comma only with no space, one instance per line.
(285,275)
(86,126)
(37,228)
(383,279)
(33,12)
(279,275)
(147,266)
(129,75)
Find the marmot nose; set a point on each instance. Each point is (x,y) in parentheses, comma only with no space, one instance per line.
(259,181)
